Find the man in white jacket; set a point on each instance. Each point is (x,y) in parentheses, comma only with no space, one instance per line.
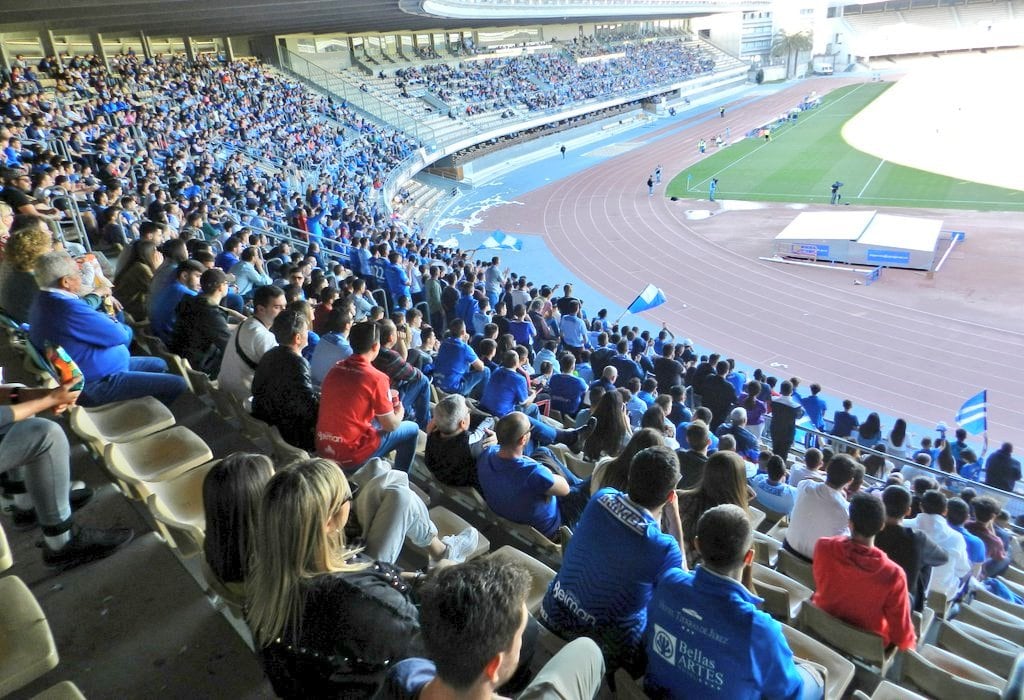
(947,578)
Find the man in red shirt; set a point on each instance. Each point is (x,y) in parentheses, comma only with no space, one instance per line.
(858,583)
(358,419)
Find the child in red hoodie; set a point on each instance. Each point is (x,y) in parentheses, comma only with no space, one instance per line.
(858,583)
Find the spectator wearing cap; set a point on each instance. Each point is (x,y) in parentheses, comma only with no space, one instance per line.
(163,309)
(97,343)
(201,330)
(687,354)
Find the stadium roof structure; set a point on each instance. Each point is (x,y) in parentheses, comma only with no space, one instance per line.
(269,17)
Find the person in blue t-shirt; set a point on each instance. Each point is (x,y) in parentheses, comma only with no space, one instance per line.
(521,489)
(958,513)
(844,422)
(648,391)
(815,407)
(467,307)
(333,346)
(163,311)
(626,366)
(616,554)
(679,412)
(583,369)
(396,278)
(507,389)
(565,388)
(457,369)
(771,489)
(705,636)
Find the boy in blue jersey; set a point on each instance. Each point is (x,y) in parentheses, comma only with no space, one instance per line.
(958,513)
(616,554)
(565,388)
(771,489)
(457,369)
(507,390)
(705,636)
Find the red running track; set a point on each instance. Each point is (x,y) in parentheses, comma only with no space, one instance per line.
(892,355)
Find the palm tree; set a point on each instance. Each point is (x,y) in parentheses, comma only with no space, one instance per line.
(790,46)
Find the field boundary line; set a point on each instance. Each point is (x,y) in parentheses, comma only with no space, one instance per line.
(798,123)
(865,187)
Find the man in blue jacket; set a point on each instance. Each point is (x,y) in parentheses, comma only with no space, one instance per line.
(705,636)
(617,552)
(97,343)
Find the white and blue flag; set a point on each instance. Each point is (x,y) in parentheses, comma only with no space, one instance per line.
(503,241)
(648,299)
(973,415)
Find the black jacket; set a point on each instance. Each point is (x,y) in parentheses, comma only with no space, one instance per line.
(691,468)
(283,395)
(200,333)
(718,396)
(784,418)
(355,626)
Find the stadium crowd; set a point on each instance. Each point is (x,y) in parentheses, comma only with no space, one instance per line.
(512,381)
(540,81)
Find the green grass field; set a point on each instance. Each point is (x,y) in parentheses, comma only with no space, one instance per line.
(804,158)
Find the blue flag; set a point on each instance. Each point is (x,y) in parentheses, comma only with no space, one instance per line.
(648,299)
(503,241)
(973,415)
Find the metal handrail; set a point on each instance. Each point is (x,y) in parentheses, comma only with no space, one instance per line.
(283,233)
(334,83)
(942,477)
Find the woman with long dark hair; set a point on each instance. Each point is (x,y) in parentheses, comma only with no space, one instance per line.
(612,431)
(869,433)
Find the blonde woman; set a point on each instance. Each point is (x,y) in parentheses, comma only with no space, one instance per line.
(6,220)
(327,621)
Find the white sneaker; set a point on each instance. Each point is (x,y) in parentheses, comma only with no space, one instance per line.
(460,547)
